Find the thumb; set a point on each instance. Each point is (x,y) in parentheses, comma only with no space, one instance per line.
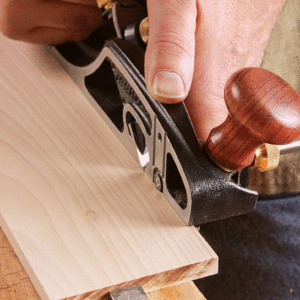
(169,60)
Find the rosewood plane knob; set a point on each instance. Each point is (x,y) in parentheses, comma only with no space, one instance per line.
(263,108)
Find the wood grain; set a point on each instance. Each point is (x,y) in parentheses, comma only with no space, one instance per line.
(80,213)
(16,285)
(263,108)
(184,291)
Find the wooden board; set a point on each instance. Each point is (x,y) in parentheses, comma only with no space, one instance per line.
(16,285)
(80,213)
(184,291)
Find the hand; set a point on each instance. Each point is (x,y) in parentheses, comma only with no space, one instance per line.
(48,21)
(194,47)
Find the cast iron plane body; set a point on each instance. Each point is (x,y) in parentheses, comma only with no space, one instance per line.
(110,72)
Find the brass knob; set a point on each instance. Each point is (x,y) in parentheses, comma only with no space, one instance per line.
(144,30)
(266,157)
(105,4)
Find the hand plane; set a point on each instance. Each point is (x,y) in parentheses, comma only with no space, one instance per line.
(203,181)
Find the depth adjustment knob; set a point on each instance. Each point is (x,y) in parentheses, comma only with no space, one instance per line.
(263,108)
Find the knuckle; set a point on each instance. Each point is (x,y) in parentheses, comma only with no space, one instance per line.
(79,35)
(80,21)
(6,29)
(8,19)
(175,43)
(189,5)
(68,36)
(83,20)
(8,32)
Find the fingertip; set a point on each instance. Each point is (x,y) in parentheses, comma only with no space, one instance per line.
(95,19)
(167,86)
(166,100)
(169,59)
(53,36)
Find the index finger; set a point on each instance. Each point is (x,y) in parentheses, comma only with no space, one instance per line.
(85,2)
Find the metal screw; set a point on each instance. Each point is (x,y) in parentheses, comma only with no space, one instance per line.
(157,180)
(159,137)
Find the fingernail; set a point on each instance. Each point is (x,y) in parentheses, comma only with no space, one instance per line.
(168,84)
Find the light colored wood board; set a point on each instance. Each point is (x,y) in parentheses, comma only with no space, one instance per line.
(184,291)
(80,213)
(16,285)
